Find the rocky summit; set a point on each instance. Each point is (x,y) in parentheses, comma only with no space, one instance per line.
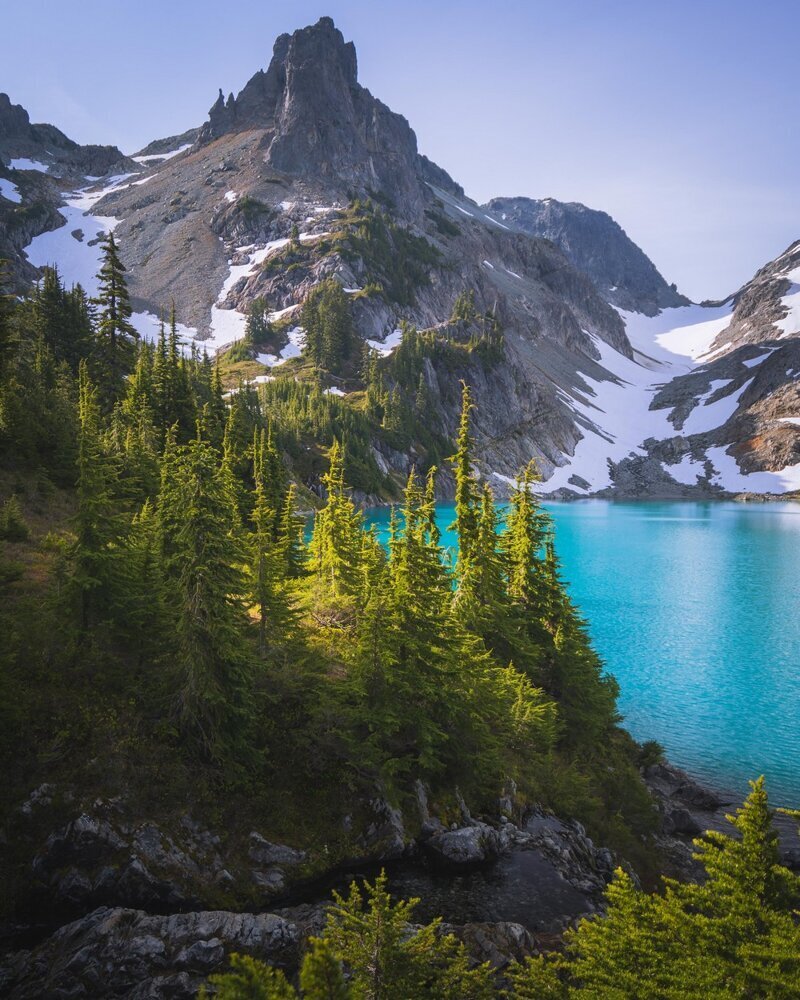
(599,369)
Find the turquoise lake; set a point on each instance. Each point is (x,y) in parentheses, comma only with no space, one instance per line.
(695,609)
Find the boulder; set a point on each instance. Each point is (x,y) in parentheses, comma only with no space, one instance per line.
(464,847)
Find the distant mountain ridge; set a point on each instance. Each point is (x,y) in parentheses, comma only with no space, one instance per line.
(598,246)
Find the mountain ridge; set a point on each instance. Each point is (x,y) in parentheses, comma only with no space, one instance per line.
(205,220)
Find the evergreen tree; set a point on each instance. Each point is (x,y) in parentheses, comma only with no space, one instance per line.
(733,935)
(196,511)
(116,337)
(466,492)
(335,546)
(328,326)
(7,310)
(12,524)
(249,980)
(321,975)
(388,959)
(96,522)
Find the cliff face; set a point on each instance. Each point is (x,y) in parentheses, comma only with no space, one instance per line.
(319,123)
(597,246)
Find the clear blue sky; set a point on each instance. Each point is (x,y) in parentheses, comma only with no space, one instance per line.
(678,117)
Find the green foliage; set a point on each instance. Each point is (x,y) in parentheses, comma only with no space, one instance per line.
(385,956)
(733,935)
(201,563)
(249,980)
(392,256)
(442,223)
(12,524)
(388,959)
(205,642)
(329,327)
(322,976)
(114,353)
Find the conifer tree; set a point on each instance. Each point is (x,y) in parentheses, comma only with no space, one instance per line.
(466,492)
(96,523)
(336,544)
(321,975)
(328,326)
(733,935)
(202,557)
(116,336)
(7,310)
(387,959)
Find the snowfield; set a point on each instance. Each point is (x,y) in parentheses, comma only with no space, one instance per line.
(23,163)
(616,418)
(10,191)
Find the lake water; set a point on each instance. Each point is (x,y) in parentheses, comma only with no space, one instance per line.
(695,609)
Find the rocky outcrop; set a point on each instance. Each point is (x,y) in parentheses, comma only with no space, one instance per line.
(596,245)
(103,858)
(319,122)
(759,310)
(118,891)
(116,952)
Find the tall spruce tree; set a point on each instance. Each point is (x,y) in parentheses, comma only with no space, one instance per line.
(96,520)
(466,493)
(115,352)
(335,546)
(202,560)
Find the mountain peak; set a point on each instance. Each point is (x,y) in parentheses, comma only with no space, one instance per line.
(313,63)
(318,123)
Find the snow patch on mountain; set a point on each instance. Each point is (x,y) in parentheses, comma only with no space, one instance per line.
(23,163)
(10,191)
(148,326)
(385,347)
(707,414)
(615,417)
(161,157)
(615,414)
(74,247)
(729,476)
(790,324)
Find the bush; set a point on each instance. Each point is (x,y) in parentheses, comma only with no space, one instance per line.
(12,524)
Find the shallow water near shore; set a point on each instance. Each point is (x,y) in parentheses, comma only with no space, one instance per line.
(695,609)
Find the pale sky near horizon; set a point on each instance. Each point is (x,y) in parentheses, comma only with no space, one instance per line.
(674,117)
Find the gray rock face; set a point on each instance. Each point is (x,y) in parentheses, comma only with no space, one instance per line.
(320,122)
(758,308)
(597,246)
(132,954)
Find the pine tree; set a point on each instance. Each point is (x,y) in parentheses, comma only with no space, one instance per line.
(335,546)
(96,522)
(116,336)
(389,959)
(7,309)
(249,979)
(321,975)
(267,557)
(12,524)
(734,935)
(291,529)
(328,326)
(202,557)
(466,492)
